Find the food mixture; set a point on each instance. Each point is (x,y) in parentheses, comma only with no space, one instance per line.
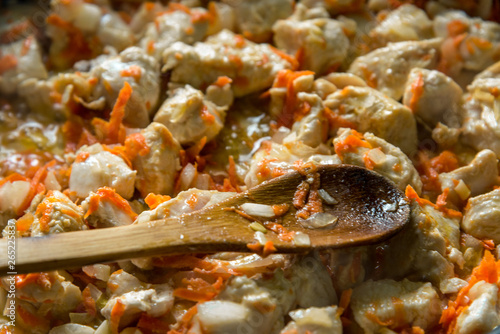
(123,112)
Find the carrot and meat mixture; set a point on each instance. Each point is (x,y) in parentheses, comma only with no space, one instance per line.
(122,112)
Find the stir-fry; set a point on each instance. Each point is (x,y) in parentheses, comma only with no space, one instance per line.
(118,112)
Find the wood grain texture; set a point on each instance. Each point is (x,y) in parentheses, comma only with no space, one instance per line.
(362,213)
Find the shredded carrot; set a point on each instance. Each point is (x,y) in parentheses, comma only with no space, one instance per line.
(41,279)
(429,169)
(239,41)
(185,321)
(268,248)
(222,81)
(488,244)
(417,89)
(199,291)
(113,131)
(233,176)
(300,196)
(24,223)
(345,299)
(133,71)
(287,57)
(7,62)
(351,144)
(206,116)
(457,27)
(335,120)
(109,194)
(283,233)
(32,320)
(153,200)
(192,200)
(136,144)
(151,324)
(280,209)
(116,314)
(89,302)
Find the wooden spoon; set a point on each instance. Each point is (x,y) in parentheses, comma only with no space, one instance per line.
(369,209)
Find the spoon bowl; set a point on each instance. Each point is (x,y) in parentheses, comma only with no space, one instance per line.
(364,207)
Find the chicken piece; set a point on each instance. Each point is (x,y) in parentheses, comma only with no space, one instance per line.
(273,159)
(190,116)
(492,72)
(252,67)
(314,320)
(372,111)
(342,80)
(348,264)
(157,162)
(424,92)
(398,304)
(335,7)
(312,282)
(256,18)
(146,13)
(482,216)
(471,43)
(479,176)
(481,121)
(72,328)
(380,156)
(142,72)
(20,60)
(183,203)
(115,32)
(56,214)
(431,244)
(105,208)
(312,129)
(406,23)
(320,44)
(387,68)
(99,168)
(482,315)
(265,299)
(174,26)
(136,297)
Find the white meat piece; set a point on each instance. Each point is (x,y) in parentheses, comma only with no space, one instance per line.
(482,216)
(400,304)
(432,247)
(344,79)
(256,18)
(312,283)
(274,159)
(335,7)
(492,72)
(71,329)
(387,160)
(179,204)
(481,125)
(374,112)
(114,32)
(387,68)
(12,196)
(312,129)
(252,67)
(424,92)
(348,264)
(108,213)
(482,315)
(101,169)
(84,16)
(171,27)
(57,214)
(190,116)
(26,59)
(314,320)
(480,46)
(480,175)
(406,23)
(222,316)
(145,14)
(155,301)
(142,72)
(156,169)
(321,42)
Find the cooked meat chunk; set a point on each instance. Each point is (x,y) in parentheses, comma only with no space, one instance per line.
(387,68)
(399,304)
(20,60)
(190,116)
(105,208)
(256,18)
(251,66)
(378,155)
(481,125)
(372,111)
(424,92)
(314,320)
(406,23)
(141,72)
(56,214)
(479,176)
(98,168)
(320,44)
(157,162)
(482,216)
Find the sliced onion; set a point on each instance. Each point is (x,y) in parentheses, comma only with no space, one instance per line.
(188,175)
(260,237)
(462,190)
(99,271)
(377,156)
(259,210)
(326,197)
(319,220)
(301,239)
